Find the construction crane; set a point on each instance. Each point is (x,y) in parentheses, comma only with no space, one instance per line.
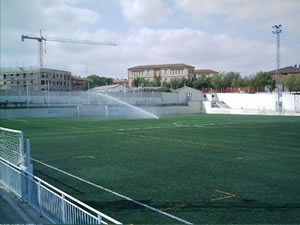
(42,39)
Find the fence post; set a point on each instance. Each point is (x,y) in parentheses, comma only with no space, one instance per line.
(22,165)
(29,171)
(39,196)
(99,219)
(63,208)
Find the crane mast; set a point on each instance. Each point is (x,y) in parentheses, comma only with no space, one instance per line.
(42,39)
(40,48)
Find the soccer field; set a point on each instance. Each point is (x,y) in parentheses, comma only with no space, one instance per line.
(178,169)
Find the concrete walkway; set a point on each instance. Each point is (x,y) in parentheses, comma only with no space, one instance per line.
(13,211)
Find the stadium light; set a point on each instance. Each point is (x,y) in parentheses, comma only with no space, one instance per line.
(277,31)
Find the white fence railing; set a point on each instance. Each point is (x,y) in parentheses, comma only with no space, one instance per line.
(54,204)
(10,176)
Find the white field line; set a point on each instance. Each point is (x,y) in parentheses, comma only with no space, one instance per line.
(178,124)
(99,130)
(174,124)
(19,120)
(115,193)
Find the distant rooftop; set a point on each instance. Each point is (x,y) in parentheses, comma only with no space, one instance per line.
(287,70)
(79,78)
(204,71)
(160,66)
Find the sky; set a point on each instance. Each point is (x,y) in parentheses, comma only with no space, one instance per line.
(222,35)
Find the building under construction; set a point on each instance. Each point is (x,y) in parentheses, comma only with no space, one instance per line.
(36,79)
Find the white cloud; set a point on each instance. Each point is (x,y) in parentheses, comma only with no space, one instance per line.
(243,9)
(74,17)
(145,12)
(30,15)
(145,45)
(154,46)
(263,13)
(138,45)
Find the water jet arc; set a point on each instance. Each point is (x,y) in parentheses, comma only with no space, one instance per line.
(151,115)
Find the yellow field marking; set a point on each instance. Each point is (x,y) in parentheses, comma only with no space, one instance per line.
(227,195)
(84,156)
(177,206)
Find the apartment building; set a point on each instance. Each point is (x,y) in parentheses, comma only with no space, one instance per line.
(37,79)
(163,72)
(78,83)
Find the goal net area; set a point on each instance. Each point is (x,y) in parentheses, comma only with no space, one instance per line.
(12,146)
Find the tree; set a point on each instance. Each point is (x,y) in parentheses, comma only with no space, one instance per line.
(95,81)
(292,82)
(272,85)
(217,81)
(191,81)
(245,82)
(156,82)
(177,83)
(260,81)
(140,81)
(202,82)
(231,79)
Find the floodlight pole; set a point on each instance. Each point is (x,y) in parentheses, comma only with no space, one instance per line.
(277,30)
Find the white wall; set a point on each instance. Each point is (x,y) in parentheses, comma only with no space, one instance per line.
(258,101)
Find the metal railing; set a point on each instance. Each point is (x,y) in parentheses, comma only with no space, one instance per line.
(49,201)
(10,176)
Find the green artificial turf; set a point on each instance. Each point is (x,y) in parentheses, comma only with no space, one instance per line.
(200,168)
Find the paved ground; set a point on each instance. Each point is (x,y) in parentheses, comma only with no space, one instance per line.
(13,211)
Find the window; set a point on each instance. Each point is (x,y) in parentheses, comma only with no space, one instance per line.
(11,75)
(31,74)
(17,82)
(18,74)
(4,76)
(42,82)
(24,75)
(24,82)
(4,82)
(31,81)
